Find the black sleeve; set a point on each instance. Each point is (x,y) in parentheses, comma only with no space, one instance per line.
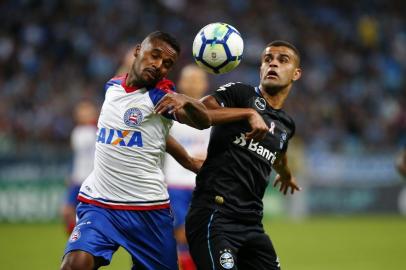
(233,95)
(292,130)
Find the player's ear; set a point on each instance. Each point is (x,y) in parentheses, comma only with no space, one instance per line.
(297,74)
(137,50)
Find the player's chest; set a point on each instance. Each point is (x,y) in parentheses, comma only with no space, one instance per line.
(278,132)
(126,111)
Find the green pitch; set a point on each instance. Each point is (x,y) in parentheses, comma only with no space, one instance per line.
(325,243)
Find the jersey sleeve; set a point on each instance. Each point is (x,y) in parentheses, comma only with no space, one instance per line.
(292,130)
(232,95)
(113,81)
(162,88)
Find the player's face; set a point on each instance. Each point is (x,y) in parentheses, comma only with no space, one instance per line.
(279,68)
(153,60)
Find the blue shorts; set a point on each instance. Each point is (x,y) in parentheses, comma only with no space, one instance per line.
(72,194)
(146,235)
(180,201)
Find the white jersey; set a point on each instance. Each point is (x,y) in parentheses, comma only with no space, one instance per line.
(82,143)
(195,142)
(130,149)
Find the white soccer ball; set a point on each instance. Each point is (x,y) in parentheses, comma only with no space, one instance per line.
(218,48)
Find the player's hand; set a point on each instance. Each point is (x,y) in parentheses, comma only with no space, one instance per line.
(196,164)
(171,103)
(286,183)
(258,126)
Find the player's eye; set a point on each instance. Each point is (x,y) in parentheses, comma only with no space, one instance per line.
(284,60)
(168,64)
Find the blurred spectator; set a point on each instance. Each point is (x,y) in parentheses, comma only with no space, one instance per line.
(352,98)
(83,139)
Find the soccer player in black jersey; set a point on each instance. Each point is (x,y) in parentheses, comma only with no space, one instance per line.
(250,137)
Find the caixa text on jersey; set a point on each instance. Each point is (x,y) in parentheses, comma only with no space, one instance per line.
(119,137)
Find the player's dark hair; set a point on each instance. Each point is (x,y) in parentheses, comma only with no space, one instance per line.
(166,38)
(282,43)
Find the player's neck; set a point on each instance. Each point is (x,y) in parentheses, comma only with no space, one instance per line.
(276,100)
(131,80)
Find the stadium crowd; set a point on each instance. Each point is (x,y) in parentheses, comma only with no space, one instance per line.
(352,97)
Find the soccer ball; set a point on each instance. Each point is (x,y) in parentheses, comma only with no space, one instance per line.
(218,48)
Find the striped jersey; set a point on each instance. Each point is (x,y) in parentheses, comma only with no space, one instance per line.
(130,149)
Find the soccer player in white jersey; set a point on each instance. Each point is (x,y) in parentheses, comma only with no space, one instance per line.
(83,137)
(193,82)
(124,201)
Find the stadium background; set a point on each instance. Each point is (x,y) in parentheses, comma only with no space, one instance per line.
(349,107)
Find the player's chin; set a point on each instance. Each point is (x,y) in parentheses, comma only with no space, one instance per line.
(271,83)
(150,81)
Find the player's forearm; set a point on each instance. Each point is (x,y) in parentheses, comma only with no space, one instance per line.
(282,168)
(227,115)
(178,152)
(222,115)
(196,114)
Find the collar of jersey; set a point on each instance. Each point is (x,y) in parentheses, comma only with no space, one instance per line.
(258,91)
(127,88)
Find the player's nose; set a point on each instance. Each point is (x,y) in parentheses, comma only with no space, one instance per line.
(274,63)
(157,64)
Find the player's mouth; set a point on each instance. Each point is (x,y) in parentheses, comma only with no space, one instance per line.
(272,74)
(152,74)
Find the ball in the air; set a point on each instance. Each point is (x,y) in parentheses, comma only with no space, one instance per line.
(218,48)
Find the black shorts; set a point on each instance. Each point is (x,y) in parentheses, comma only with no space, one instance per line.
(217,242)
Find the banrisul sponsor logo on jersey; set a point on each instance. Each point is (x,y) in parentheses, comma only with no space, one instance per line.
(125,138)
(255,147)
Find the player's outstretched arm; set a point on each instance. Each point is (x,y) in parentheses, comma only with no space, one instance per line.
(284,177)
(188,110)
(220,115)
(178,152)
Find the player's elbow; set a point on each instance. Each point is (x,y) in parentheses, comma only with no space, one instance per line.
(204,124)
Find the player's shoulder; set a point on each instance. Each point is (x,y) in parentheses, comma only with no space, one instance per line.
(117,80)
(287,120)
(83,130)
(165,85)
(236,86)
(237,89)
(161,88)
